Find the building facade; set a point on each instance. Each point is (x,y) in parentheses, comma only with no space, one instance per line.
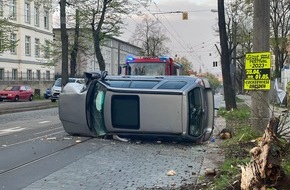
(33,28)
(113,50)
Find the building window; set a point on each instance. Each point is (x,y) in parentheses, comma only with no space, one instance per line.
(37,48)
(29,74)
(47,77)
(27,45)
(47,49)
(1,74)
(13,9)
(27,12)
(36,15)
(13,43)
(14,74)
(45,19)
(215,64)
(38,75)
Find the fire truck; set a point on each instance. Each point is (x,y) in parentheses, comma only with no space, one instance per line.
(153,66)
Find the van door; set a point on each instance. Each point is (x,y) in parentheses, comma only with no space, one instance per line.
(95,108)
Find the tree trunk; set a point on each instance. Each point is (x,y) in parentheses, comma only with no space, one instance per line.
(229,94)
(98,52)
(64,43)
(73,60)
(96,35)
(264,170)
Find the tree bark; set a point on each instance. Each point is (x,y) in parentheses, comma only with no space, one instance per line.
(264,170)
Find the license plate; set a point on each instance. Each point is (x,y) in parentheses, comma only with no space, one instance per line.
(3,97)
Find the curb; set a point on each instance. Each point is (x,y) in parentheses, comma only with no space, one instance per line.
(13,107)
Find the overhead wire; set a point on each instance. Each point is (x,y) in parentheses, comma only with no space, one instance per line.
(197,57)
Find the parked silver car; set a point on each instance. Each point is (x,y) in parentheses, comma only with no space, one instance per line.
(56,87)
(180,106)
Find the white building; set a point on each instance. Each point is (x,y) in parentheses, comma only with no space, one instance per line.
(33,21)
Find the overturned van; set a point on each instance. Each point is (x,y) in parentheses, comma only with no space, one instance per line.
(180,106)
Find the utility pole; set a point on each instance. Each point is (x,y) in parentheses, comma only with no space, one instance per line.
(261,35)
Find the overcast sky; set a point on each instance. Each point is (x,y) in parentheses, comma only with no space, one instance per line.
(194,38)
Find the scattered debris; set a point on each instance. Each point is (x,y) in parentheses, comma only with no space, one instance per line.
(171,173)
(264,169)
(210,171)
(78,141)
(67,138)
(51,138)
(116,137)
(226,134)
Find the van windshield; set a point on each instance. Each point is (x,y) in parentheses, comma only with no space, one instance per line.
(147,68)
(58,82)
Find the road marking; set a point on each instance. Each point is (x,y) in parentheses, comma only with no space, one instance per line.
(11,130)
(42,122)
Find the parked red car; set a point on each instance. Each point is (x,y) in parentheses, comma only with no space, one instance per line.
(16,93)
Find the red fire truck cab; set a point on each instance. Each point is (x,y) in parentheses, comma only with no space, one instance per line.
(151,66)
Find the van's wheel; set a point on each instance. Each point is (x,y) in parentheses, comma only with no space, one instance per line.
(16,99)
(31,98)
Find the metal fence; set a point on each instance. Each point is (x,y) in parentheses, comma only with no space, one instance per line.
(26,76)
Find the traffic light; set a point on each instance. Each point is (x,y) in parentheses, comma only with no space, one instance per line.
(184,15)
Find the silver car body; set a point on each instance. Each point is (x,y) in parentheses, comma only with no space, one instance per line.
(180,106)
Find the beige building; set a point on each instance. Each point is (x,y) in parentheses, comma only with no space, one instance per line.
(113,50)
(27,61)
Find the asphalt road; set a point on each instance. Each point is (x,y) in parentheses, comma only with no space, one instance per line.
(36,153)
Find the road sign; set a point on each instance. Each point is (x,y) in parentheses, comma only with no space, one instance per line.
(257,68)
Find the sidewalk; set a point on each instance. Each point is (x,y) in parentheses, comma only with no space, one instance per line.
(214,156)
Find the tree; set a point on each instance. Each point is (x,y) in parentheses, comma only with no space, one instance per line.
(74,52)
(229,95)
(6,31)
(239,29)
(186,65)
(213,80)
(64,42)
(151,38)
(280,24)
(106,19)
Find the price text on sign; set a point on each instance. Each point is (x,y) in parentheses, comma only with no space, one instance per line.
(257,71)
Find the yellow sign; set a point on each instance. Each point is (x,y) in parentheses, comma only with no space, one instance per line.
(261,60)
(257,71)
